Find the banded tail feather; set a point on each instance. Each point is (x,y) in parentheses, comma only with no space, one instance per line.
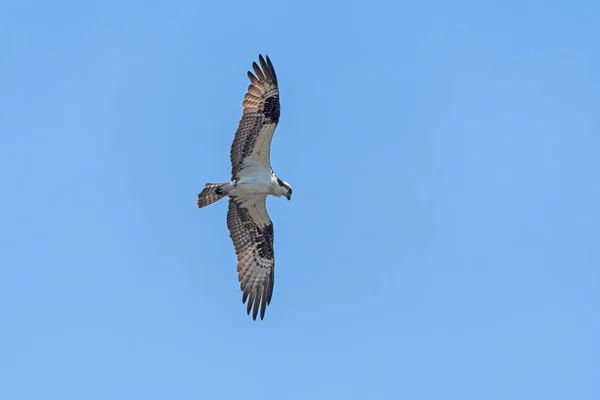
(211,193)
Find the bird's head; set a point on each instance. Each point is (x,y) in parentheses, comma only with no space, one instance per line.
(285,189)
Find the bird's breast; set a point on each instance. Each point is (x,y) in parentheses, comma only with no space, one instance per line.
(252,185)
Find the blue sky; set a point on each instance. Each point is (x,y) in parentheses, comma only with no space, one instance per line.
(443,237)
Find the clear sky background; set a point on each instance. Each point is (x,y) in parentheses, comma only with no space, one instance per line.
(443,241)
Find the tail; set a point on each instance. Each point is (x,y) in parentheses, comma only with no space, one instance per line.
(212,192)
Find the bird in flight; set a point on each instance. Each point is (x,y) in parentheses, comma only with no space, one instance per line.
(252,180)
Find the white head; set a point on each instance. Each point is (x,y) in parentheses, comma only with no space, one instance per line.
(284,189)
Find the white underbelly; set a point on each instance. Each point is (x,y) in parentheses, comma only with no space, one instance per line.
(252,185)
(254,178)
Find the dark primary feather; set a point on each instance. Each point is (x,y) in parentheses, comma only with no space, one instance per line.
(251,231)
(260,117)
(268,68)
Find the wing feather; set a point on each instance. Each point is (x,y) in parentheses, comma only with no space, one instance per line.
(254,79)
(270,70)
(258,72)
(252,141)
(251,231)
(267,67)
(254,92)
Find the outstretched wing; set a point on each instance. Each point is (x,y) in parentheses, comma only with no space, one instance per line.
(252,141)
(251,231)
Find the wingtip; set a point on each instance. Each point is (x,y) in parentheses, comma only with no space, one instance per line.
(253,80)
(265,71)
(253,305)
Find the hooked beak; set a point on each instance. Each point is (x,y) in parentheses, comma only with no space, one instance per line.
(288,196)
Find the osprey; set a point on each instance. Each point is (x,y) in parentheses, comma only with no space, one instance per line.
(252,180)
